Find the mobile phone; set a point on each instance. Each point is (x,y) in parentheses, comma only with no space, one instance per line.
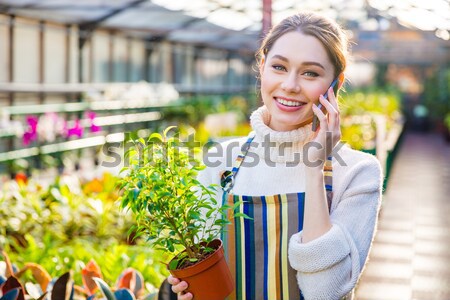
(335,86)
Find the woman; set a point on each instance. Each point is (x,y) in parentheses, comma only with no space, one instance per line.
(313,218)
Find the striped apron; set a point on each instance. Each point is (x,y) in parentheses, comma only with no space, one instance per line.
(256,249)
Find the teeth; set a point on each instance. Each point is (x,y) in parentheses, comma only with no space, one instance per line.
(289,103)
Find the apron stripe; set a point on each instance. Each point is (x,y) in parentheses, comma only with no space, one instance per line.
(278,245)
(284,216)
(271,251)
(232,254)
(265,246)
(249,249)
(240,251)
(259,255)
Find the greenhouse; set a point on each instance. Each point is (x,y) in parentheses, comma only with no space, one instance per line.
(112,112)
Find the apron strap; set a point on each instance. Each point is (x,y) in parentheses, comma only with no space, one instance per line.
(228,177)
(328,178)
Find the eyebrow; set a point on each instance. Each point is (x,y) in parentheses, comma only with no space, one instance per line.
(306,63)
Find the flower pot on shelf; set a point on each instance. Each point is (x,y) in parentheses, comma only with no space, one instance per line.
(208,279)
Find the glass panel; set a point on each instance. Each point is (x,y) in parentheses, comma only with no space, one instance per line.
(137,60)
(86,67)
(100,43)
(182,60)
(155,62)
(26,51)
(237,72)
(4,42)
(166,58)
(211,68)
(120,59)
(54,54)
(73,76)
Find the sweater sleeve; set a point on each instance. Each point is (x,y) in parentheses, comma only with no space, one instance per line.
(329,266)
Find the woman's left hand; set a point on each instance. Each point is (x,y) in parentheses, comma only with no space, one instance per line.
(328,134)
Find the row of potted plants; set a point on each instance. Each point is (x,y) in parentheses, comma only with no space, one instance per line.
(40,285)
(63,225)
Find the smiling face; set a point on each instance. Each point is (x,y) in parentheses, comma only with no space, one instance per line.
(294,73)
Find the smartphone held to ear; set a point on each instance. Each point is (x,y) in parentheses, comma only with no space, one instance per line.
(333,85)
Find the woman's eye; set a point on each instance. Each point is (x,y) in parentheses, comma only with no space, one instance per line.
(311,74)
(279,67)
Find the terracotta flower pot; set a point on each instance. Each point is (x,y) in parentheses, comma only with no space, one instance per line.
(209,279)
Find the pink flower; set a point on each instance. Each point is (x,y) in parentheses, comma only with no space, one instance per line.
(76,130)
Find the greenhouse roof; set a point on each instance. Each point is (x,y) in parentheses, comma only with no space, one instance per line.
(229,24)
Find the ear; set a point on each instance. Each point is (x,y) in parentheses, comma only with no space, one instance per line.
(341,80)
(261,64)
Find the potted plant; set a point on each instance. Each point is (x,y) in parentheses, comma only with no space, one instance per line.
(176,212)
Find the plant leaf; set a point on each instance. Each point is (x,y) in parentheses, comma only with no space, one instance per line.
(9,269)
(33,289)
(39,273)
(88,272)
(133,280)
(104,288)
(124,294)
(12,283)
(173,264)
(62,289)
(155,136)
(11,294)
(242,215)
(166,131)
(42,297)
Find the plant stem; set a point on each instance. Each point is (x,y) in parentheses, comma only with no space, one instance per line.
(178,233)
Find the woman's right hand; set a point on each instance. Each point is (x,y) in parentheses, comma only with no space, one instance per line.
(178,287)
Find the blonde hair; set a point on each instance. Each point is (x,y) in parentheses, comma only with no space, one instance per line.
(328,32)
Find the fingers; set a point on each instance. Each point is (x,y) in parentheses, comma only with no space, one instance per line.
(178,287)
(172,280)
(187,296)
(320,116)
(333,112)
(332,98)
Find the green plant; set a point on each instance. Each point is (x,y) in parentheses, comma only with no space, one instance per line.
(447,120)
(171,206)
(358,110)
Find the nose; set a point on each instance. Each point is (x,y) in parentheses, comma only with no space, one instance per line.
(291,84)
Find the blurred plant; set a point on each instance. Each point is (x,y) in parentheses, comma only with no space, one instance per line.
(447,120)
(437,92)
(67,223)
(63,211)
(129,285)
(357,110)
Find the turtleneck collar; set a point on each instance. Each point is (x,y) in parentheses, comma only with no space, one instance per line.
(279,146)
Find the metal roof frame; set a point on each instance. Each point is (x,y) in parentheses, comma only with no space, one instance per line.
(176,20)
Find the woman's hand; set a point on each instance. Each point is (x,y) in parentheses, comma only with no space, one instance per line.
(329,132)
(178,287)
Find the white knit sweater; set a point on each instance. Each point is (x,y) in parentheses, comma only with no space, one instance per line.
(329,266)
